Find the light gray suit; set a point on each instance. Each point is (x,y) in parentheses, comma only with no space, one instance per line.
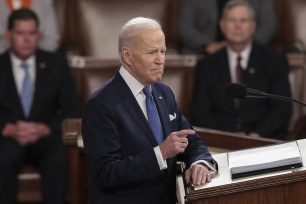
(198,23)
(45,11)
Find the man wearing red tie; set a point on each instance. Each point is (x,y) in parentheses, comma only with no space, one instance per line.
(37,92)
(242,61)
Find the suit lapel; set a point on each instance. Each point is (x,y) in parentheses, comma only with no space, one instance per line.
(41,78)
(224,66)
(255,62)
(162,111)
(13,98)
(249,75)
(225,73)
(133,108)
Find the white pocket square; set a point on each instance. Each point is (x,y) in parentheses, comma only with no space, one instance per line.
(172,117)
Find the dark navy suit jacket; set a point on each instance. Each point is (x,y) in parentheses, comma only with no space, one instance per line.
(122,166)
(266,71)
(55,95)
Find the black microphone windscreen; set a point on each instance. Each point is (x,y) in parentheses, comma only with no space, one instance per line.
(235,90)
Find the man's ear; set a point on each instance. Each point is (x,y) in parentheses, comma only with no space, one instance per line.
(8,37)
(254,27)
(127,55)
(222,26)
(39,35)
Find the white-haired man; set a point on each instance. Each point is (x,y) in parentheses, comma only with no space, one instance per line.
(131,141)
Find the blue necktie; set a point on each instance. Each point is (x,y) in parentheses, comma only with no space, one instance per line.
(153,115)
(26,93)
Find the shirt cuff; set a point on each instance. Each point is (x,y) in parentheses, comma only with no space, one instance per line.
(208,164)
(161,162)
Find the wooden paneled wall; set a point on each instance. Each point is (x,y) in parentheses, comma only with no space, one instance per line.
(90,27)
(291,34)
(92,72)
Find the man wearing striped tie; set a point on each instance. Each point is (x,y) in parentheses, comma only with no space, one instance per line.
(37,92)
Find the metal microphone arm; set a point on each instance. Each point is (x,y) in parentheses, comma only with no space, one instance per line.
(287,99)
(259,94)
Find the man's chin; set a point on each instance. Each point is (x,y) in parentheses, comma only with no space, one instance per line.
(25,55)
(239,40)
(159,77)
(156,79)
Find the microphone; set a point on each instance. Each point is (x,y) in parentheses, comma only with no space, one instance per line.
(240,91)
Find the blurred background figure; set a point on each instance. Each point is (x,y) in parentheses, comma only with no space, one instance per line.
(199,28)
(247,62)
(37,92)
(46,13)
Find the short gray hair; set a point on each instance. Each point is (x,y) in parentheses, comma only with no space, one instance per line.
(132,28)
(234,3)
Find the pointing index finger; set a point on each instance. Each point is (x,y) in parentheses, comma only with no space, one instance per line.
(184,133)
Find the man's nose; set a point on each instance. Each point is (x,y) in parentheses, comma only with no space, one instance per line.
(160,57)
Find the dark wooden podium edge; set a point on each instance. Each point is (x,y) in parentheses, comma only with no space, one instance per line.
(232,141)
(294,176)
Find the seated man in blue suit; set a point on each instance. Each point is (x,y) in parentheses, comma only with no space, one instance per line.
(37,92)
(242,61)
(133,130)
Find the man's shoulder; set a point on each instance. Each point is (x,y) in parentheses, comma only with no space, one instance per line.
(161,87)
(106,91)
(40,54)
(163,90)
(4,56)
(49,55)
(214,58)
(56,62)
(211,64)
(267,52)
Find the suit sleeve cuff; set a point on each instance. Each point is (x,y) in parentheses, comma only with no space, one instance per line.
(161,162)
(209,165)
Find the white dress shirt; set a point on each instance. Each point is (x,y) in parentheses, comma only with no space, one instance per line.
(232,58)
(136,87)
(19,72)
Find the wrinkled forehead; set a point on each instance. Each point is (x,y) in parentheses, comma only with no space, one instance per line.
(150,37)
(151,34)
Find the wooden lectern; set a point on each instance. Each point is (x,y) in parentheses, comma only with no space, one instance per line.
(281,187)
(72,137)
(231,141)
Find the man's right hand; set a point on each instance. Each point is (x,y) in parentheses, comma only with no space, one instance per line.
(9,130)
(175,143)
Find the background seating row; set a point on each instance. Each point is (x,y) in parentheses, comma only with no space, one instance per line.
(92,72)
(90,27)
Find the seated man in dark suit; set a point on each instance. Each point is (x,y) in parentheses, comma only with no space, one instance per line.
(242,61)
(199,24)
(37,92)
(133,131)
